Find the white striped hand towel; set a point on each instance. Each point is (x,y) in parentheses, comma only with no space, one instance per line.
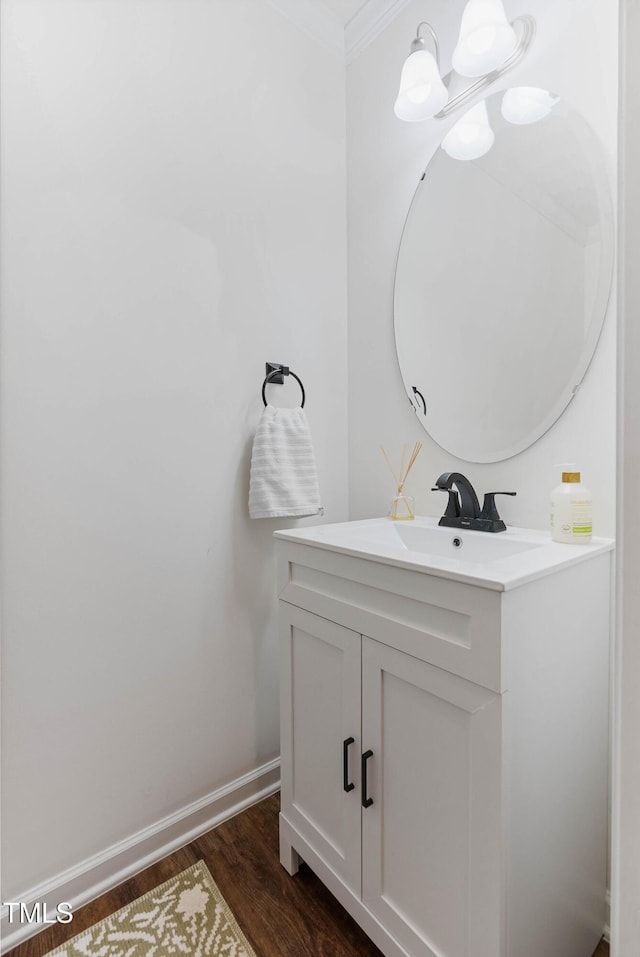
(283,480)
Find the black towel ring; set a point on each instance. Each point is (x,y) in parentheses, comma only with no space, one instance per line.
(282,371)
(417,392)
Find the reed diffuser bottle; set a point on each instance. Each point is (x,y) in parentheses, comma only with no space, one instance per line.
(403,506)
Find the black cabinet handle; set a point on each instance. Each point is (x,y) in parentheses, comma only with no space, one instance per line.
(366,801)
(346,784)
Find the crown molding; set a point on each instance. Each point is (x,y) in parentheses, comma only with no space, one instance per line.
(370,20)
(316,20)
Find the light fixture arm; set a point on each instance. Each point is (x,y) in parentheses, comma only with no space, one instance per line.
(418,42)
(525,27)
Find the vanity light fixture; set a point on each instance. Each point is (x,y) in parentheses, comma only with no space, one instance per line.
(488,46)
(422,93)
(486,38)
(527,104)
(472,136)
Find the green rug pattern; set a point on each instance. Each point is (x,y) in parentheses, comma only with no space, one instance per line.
(187,916)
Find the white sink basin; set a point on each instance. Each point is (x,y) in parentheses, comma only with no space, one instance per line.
(461,544)
(497,560)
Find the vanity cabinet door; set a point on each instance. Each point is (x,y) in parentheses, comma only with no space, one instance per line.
(320,729)
(432,836)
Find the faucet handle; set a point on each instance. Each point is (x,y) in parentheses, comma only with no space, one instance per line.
(453,505)
(489,509)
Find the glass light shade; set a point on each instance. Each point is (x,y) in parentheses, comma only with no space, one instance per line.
(486,38)
(422,93)
(527,104)
(472,135)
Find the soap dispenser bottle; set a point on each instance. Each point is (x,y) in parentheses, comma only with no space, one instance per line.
(571,510)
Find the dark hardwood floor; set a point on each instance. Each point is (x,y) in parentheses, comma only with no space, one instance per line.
(280,916)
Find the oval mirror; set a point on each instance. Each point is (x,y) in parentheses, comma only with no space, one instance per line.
(503,274)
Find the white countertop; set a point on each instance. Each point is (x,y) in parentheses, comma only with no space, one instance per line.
(499,560)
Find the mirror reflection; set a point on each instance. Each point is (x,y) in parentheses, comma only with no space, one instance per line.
(503,274)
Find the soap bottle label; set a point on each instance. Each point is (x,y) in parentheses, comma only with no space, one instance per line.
(581,517)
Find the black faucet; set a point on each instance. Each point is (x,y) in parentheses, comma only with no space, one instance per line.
(463,508)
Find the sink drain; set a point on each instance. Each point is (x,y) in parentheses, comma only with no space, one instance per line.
(457,542)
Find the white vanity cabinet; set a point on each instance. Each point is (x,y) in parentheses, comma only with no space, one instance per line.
(444,752)
(320,737)
(431,838)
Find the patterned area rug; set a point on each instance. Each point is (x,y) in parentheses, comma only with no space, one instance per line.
(186,916)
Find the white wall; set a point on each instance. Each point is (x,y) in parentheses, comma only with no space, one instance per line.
(626,816)
(575,55)
(173,215)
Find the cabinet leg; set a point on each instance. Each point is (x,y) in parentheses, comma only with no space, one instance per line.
(289,858)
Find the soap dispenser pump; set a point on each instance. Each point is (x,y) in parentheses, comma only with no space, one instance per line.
(571,509)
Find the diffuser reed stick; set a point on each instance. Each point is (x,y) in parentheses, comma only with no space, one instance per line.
(403,505)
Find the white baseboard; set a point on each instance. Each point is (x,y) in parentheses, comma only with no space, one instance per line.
(86,881)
